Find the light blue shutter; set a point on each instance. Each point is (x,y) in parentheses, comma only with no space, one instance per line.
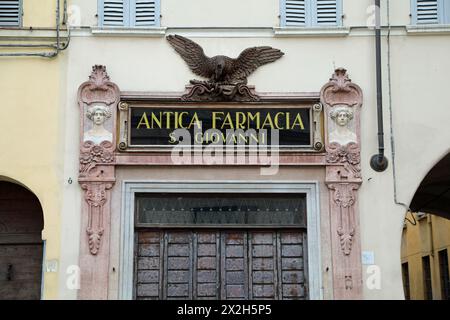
(113,12)
(10,13)
(145,13)
(327,12)
(426,11)
(294,13)
(446,10)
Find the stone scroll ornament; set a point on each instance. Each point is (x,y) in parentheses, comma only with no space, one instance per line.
(97,100)
(342,100)
(227,77)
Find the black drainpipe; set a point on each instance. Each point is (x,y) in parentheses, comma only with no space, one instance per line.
(379,162)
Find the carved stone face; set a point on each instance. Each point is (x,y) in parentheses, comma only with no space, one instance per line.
(342,119)
(99,117)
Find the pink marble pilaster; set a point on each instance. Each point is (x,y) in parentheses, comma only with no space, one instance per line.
(96,179)
(343,178)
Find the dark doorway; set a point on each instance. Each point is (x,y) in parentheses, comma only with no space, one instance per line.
(21,245)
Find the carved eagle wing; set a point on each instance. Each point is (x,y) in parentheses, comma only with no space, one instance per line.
(192,54)
(252,58)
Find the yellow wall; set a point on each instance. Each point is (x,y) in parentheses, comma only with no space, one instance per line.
(30,142)
(430,235)
(40,13)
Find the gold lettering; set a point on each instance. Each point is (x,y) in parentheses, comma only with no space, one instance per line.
(242,137)
(168,117)
(156,120)
(143,121)
(227,121)
(215,117)
(172,138)
(255,117)
(198,138)
(298,121)
(254,137)
(269,121)
(277,124)
(240,120)
(180,119)
(195,121)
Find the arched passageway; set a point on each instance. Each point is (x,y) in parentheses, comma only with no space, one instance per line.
(433,194)
(426,237)
(21,245)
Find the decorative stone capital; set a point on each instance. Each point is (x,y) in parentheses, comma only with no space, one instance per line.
(99,88)
(341,90)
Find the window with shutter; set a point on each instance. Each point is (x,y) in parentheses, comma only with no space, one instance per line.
(446,10)
(129,13)
(427,11)
(327,12)
(294,12)
(11,13)
(146,13)
(310,13)
(113,13)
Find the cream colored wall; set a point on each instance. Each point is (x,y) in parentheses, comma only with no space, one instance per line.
(419,72)
(236,13)
(231,13)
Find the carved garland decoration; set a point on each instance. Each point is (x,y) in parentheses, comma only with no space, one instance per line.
(95,196)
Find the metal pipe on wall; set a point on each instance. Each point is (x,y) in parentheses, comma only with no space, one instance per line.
(379,162)
(57,47)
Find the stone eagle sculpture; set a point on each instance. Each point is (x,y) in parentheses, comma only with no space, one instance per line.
(222,70)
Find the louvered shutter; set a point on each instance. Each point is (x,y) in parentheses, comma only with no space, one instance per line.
(326,12)
(427,11)
(294,13)
(446,12)
(145,13)
(10,13)
(113,13)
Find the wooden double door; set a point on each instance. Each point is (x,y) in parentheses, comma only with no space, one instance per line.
(221,264)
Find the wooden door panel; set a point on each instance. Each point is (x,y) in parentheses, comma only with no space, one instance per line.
(178,251)
(234,258)
(263,267)
(149,265)
(292,265)
(20,271)
(206,264)
(217,264)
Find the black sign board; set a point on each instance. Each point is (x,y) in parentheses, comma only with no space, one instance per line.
(157,127)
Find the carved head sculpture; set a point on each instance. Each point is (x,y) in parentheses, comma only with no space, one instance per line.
(98,114)
(342,115)
(342,133)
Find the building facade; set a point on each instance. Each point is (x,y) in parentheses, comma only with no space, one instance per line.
(323,225)
(32,40)
(425,246)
